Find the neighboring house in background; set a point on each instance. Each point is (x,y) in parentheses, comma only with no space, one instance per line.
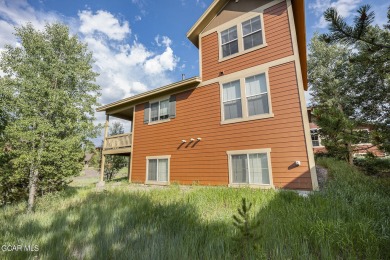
(360,149)
(243,121)
(87,158)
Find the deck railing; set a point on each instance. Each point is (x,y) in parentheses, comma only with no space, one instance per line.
(118,141)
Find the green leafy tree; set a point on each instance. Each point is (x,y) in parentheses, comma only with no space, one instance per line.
(51,81)
(115,162)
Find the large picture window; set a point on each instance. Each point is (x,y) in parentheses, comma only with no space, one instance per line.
(158,169)
(250,167)
(246,98)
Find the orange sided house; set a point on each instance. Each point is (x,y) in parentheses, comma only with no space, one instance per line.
(243,121)
(361,148)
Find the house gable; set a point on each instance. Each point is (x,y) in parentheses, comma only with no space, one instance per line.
(233,10)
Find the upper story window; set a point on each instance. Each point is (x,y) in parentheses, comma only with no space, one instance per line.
(232,100)
(246,99)
(229,41)
(251,33)
(257,95)
(160,110)
(246,36)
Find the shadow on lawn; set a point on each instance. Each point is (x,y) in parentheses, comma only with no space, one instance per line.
(129,226)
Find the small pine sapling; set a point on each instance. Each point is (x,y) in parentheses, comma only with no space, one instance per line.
(247,238)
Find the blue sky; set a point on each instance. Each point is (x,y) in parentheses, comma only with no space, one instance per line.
(141,44)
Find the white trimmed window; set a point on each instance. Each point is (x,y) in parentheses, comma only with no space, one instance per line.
(251,167)
(229,41)
(251,33)
(315,139)
(246,99)
(157,169)
(232,100)
(246,35)
(257,95)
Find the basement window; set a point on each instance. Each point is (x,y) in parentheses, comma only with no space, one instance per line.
(250,167)
(157,169)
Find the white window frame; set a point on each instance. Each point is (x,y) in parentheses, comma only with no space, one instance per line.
(244,99)
(319,138)
(147,170)
(240,35)
(237,39)
(247,152)
(159,100)
(243,36)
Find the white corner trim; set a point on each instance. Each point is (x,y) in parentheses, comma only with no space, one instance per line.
(305,119)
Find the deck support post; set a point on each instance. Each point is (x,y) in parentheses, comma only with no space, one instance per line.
(101,182)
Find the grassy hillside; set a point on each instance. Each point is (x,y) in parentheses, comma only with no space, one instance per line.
(349,219)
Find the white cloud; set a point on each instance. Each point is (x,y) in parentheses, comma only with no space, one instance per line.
(344,7)
(165,61)
(137,18)
(103,22)
(201,3)
(126,67)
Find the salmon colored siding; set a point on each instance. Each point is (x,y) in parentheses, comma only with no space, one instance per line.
(198,114)
(277,36)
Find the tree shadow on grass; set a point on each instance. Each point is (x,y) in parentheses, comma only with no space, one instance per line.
(322,226)
(117,225)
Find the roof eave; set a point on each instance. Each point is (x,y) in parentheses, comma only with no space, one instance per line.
(204,20)
(167,88)
(299,18)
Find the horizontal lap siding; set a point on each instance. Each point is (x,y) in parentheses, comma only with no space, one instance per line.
(278,39)
(206,162)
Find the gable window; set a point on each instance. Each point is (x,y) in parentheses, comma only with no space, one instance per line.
(246,99)
(160,110)
(251,33)
(229,41)
(245,36)
(250,167)
(157,169)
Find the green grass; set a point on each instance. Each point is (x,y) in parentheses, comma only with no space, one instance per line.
(349,219)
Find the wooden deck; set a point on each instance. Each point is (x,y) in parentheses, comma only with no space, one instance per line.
(118,144)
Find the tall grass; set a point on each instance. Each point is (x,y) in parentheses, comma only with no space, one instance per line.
(349,219)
